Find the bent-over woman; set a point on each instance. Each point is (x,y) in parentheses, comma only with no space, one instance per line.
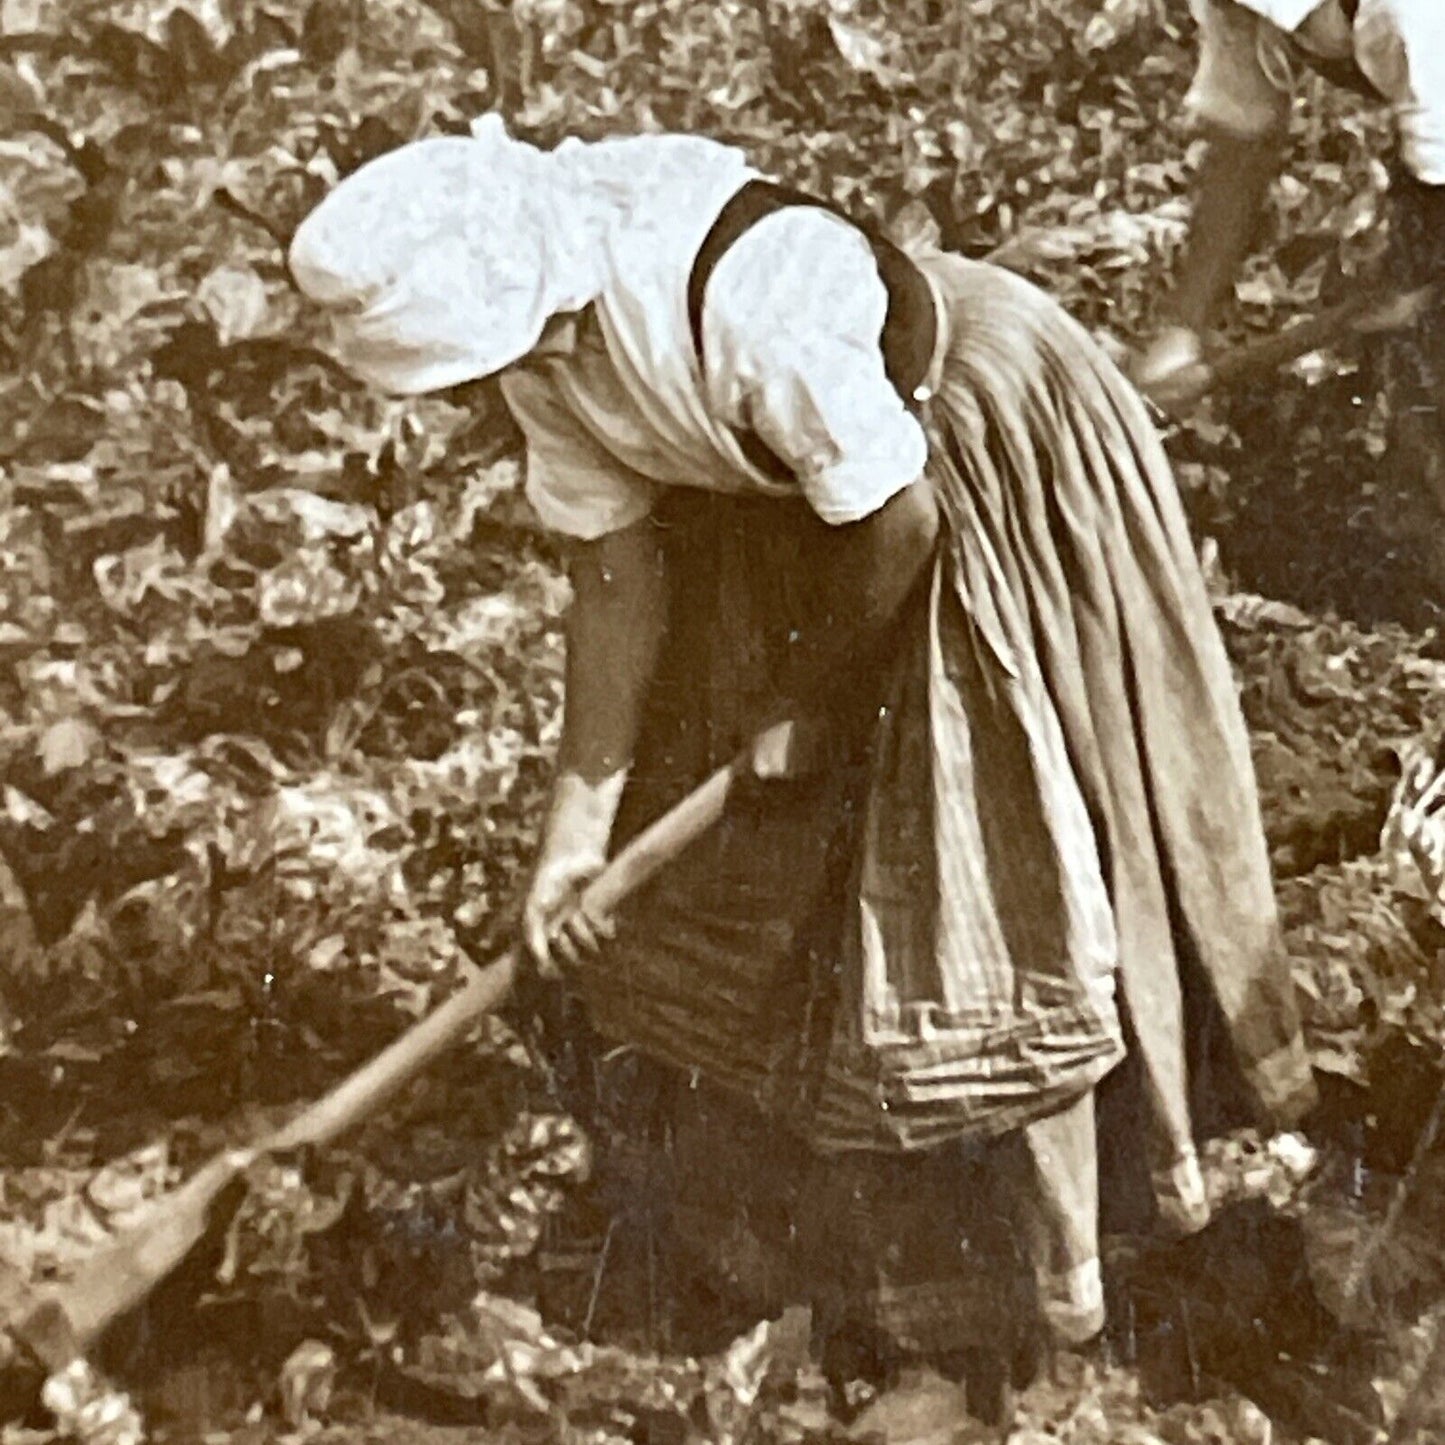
(1006,876)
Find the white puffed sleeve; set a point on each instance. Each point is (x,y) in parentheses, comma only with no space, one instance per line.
(1400,45)
(1243,82)
(574,485)
(792,323)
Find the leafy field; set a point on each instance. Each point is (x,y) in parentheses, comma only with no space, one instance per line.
(279,684)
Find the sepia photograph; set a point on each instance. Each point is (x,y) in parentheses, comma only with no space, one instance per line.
(722,723)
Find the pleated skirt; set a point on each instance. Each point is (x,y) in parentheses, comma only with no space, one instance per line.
(1016,943)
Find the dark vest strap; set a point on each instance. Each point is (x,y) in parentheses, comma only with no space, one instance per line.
(910,326)
(1344,73)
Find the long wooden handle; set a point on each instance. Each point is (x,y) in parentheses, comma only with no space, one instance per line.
(359,1095)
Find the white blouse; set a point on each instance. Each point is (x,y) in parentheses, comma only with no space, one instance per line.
(1248,68)
(792,320)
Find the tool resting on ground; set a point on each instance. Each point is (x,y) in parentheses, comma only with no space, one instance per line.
(60,1322)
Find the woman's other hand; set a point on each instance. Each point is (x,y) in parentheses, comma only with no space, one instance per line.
(789,749)
(807,743)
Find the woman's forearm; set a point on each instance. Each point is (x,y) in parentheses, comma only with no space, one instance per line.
(613,629)
(1229,201)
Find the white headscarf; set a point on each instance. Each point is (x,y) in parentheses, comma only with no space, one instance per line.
(443,260)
